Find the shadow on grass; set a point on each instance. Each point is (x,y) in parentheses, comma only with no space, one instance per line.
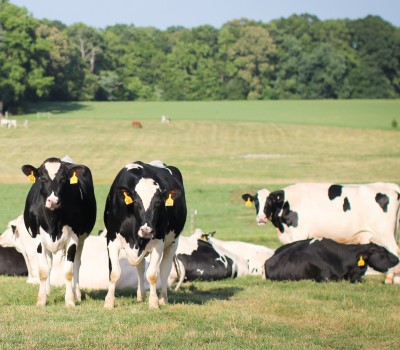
(56,107)
(189,294)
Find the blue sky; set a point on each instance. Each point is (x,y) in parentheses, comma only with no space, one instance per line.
(165,13)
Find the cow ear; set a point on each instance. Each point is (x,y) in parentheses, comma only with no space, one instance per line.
(75,173)
(249,199)
(31,172)
(125,194)
(13,228)
(170,197)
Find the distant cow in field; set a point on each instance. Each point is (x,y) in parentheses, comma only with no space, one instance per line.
(165,119)
(326,260)
(137,124)
(60,212)
(350,214)
(145,213)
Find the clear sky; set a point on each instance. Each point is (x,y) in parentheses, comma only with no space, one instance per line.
(187,13)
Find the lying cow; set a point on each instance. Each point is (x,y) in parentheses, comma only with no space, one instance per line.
(197,259)
(93,273)
(60,212)
(326,260)
(12,262)
(254,254)
(345,213)
(144,215)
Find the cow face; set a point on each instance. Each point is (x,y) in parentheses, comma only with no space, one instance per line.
(53,177)
(379,258)
(259,201)
(274,204)
(149,204)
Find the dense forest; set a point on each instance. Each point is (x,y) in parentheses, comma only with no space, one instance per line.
(300,57)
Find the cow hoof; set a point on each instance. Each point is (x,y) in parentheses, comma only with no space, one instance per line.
(70,305)
(396,279)
(163,301)
(40,303)
(389,280)
(109,304)
(153,302)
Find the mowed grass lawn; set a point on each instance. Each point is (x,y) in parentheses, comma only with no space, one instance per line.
(223,149)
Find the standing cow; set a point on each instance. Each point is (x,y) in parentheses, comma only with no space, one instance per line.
(144,214)
(357,214)
(60,212)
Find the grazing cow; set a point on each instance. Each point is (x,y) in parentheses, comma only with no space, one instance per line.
(60,212)
(198,259)
(137,124)
(326,260)
(255,255)
(345,213)
(12,262)
(145,212)
(165,119)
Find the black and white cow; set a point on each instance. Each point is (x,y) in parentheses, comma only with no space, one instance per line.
(60,212)
(357,214)
(326,260)
(12,262)
(198,259)
(144,214)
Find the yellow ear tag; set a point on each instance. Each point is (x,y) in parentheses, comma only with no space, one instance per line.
(169,202)
(32,178)
(248,203)
(73,180)
(128,199)
(361,262)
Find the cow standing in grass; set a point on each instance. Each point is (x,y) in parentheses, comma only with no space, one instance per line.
(60,212)
(144,214)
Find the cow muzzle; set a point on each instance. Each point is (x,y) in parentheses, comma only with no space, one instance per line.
(145,232)
(52,202)
(261,220)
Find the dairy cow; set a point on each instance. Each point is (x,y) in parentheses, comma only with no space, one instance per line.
(345,213)
(60,212)
(144,214)
(253,255)
(326,260)
(198,259)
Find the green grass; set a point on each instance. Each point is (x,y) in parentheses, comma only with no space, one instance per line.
(223,149)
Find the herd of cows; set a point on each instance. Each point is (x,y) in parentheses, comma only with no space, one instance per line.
(328,231)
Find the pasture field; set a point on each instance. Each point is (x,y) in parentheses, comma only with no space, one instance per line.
(224,149)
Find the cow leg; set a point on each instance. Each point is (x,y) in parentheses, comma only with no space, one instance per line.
(69,271)
(140,294)
(77,266)
(114,248)
(165,270)
(44,275)
(152,273)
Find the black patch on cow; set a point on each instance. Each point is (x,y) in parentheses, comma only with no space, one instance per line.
(39,248)
(273,206)
(334,191)
(346,204)
(289,217)
(71,253)
(383,201)
(398,196)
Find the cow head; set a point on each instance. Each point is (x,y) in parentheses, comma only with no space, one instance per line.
(259,200)
(148,202)
(377,257)
(53,177)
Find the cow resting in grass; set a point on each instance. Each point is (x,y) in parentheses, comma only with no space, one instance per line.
(350,214)
(324,260)
(60,212)
(198,259)
(144,214)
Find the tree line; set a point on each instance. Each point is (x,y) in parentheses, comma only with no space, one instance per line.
(299,57)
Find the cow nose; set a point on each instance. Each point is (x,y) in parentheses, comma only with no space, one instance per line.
(261,219)
(51,203)
(145,231)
